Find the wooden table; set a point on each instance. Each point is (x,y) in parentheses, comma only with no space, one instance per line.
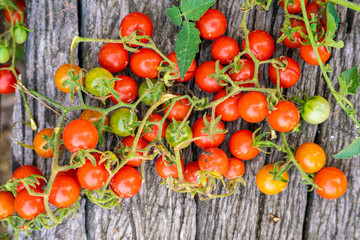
(156,212)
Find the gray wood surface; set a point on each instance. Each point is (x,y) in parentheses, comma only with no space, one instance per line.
(156,212)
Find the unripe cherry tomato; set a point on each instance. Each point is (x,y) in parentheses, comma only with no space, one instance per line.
(189,73)
(262,45)
(93,78)
(7,80)
(203,80)
(21,4)
(285,117)
(20,35)
(332,183)
(155,94)
(26,171)
(296,35)
(136,21)
(80,134)
(113,57)
(308,55)
(315,110)
(92,177)
(141,144)
(246,73)
(4,54)
(127,89)
(205,143)
(212,24)
(236,168)
(175,138)
(190,170)
(179,111)
(265,181)
(225,49)
(7,207)
(127,182)
(311,157)
(215,160)
(294,8)
(65,191)
(228,109)
(288,77)
(120,122)
(39,143)
(164,169)
(61,76)
(252,107)
(240,145)
(152,135)
(145,63)
(28,206)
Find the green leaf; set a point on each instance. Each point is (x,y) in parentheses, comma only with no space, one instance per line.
(332,20)
(349,81)
(352,150)
(194,9)
(174,15)
(187,45)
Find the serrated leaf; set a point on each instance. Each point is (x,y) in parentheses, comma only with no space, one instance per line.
(194,9)
(349,81)
(175,15)
(332,20)
(352,150)
(187,45)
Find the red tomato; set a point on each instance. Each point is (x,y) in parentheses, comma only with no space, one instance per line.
(294,8)
(28,206)
(285,117)
(289,77)
(179,110)
(61,76)
(215,160)
(262,45)
(26,171)
(311,157)
(297,36)
(308,55)
(332,183)
(240,145)
(225,49)
(212,24)
(252,107)
(126,183)
(136,21)
(7,207)
(236,168)
(71,172)
(7,80)
(246,73)
(190,170)
(65,191)
(320,14)
(164,170)
(94,116)
(145,63)
(92,177)
(141,144)
(189,73)
(228,109)
(205,143)
(113,57)
(21,4)
(80,134)
(127,88)
(152,135)
(203,80)
(39,143)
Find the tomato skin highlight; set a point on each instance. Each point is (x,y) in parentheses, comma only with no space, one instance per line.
(119,121)
(332,182)
(126,183)
(141,144)
(308,55)
(206,143)
(190,73)
(246,73)
(61,75)
(26,171)
(151,136)
(165,170)
(296,35)
(145,63)
(92,177)
(285,117)
(262,45)
(311,157)
(178,111)
(7,80)
(7,204)
(136,21)
(127,89)
(28,206)
(80,134)
(225,49)
(228,109)
(215,160)
(212,24)
(65,191)
(236,168)
(240,145)
(252,107)
(266,183)
(39,143)
(113,57)
(203,80)
(294,8)
(288,77)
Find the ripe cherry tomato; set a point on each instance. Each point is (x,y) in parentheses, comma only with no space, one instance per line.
(289,77)
(7,207)
(127,89)
(265,181)
(215,160)
(7,80)
(294,8)
(246,73)
(285,117)
(320,15)
(252,107)
(308,55)
(136,21)
(240,145)
(236,168)
(153,133)
(315,110)
(262,45)
(203,80)
(28,206)
(39,143)
(179,110)
(141,144)
(164,170)
(92,177)
(332,183)
(228,109)
(296,35)
(61,76)
(93,78)
(21,4)
(311,157)
(155,94)
(113,57)
(126,183)
(145,63)
(225,49)
(94,116)
(80,134)
(212,24)
(190,170)
(189,73)
(205,143)
(175,137)
(65,191)
(25,171)
(121,122)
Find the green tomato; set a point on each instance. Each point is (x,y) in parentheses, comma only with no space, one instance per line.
(157,90)
(20,35)
(174,137)
(4,54)
(121,122)
(316,110)
(93,79)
